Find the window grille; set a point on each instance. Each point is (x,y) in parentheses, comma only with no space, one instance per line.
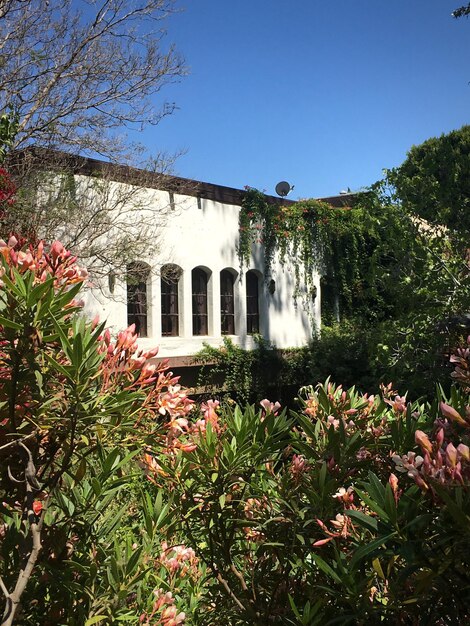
(227,303)
(252,303)
(199,292)
(137,297)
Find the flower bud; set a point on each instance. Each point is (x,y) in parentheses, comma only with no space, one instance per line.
(452,414)
(423,441)
(451,455)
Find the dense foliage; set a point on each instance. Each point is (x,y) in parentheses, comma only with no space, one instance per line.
(76,407)
(393,265)
(364,252)
(462,11)
(353,510)
(434,180)
(123,501)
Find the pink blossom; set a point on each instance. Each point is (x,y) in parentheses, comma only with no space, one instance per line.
(451,455)
(409,463)
(298,467)
(449,412)
(346,495)
(464,452)
(423,441)
(270,407)
(398,404)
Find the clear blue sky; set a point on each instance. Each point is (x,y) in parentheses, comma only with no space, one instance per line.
(324,94)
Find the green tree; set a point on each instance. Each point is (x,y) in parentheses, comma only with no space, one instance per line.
(434,180)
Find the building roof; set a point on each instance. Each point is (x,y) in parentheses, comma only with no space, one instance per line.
(43,157)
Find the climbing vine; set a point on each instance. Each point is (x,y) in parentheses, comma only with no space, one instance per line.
(358,250)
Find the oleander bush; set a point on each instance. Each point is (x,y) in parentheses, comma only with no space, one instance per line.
(78,409)
(353,510)
(123,501)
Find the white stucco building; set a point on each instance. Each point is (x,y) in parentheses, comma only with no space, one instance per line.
(188,289)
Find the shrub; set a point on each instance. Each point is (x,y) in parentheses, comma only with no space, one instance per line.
(76,407)
(353,510)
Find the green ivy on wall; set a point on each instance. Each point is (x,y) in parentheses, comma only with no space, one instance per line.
(360,250)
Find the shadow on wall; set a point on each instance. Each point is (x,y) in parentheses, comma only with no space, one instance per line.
(276,295)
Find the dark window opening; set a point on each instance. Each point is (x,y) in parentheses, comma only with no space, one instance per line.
(137,297)
(227,303)
(252,303)
(170,310)
(199,291)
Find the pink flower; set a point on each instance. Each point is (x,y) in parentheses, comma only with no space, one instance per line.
(423,441)
(346,495)
(398,404)
(393,482)
(451,455)
(270,407)
(449,412)
(209,410)
(409,463)
(464,452)
(187,447)
(332,421)
(298,467)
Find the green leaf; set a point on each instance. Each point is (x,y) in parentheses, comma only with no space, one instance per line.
(367,521)
(454,509)
(378,568)
(133,561)
(307,425)
(7,323)
(363,551)
(163,515)
(295,610)
(372,505)
(81,471)
(95,619)
(57,366)
(376,489)
(323,565)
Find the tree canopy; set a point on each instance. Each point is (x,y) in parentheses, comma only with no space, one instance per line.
(75,74)
(434,180)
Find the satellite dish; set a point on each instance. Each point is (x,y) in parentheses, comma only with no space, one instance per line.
(283,188)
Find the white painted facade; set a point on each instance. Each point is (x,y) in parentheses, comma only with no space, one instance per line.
(201,231)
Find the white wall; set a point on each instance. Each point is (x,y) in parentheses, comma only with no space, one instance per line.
(202,232)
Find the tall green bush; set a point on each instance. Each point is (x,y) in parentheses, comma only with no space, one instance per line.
(77,408)
(353,510)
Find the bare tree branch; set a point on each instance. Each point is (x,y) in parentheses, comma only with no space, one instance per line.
(107,220)
(32,526)
(77,72)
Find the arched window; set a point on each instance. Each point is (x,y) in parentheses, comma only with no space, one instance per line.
(252,303)
(199,290)
(137,297)
(227,303)
(169,283)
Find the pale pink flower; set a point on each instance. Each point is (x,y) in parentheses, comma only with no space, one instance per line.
(409,463)
(298,467)
(398,404)
(270,407)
